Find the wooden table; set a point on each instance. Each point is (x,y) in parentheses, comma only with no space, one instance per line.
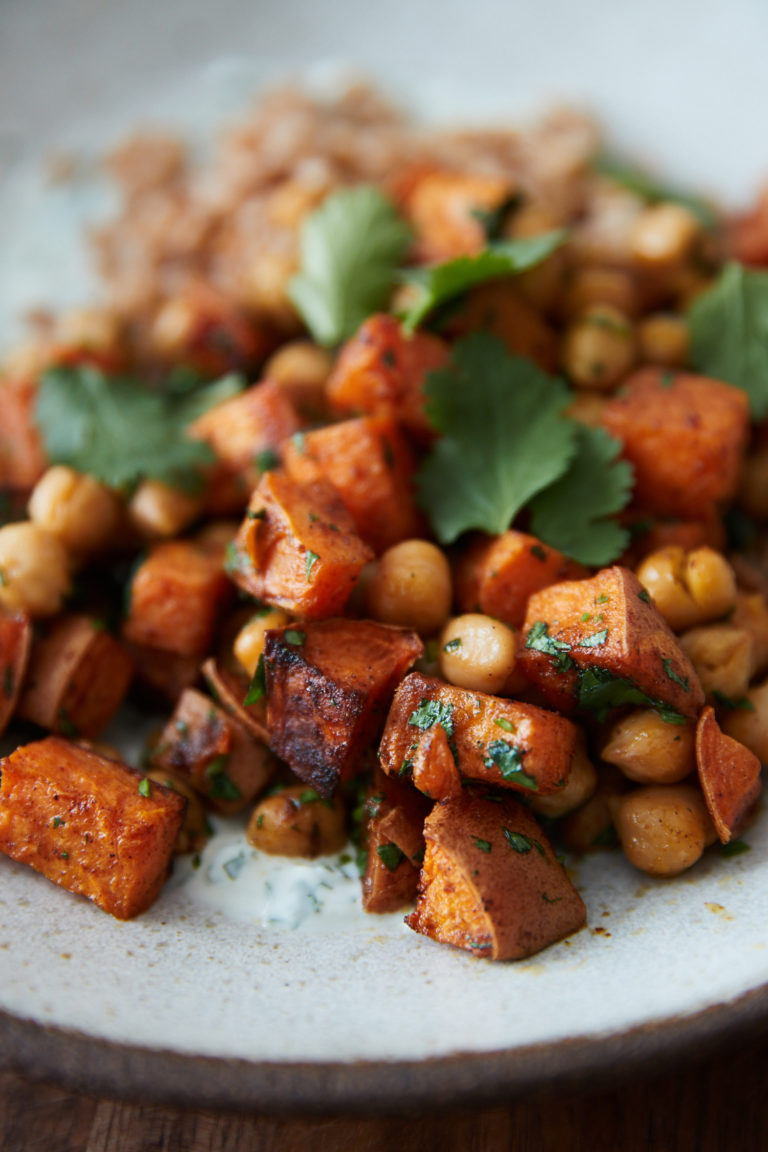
(713,1105)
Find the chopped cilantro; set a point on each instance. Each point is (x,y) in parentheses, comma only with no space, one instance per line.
(744,704)
(145,787)
(431,712)
(453,645)
(58,821)
(350,248)
(644,595)
(234,867)
(539,639)
(595,640)
(493,220)
(669,668)
(729,332)
(293,636)
(312,559)
(518,841)
(257,689)
(539,552)
(735,847)
(483,845)
(122,431)
(436,284)
(599,691)
(502,722)
(509,761)
(266,460)
(221,786)
(390,855)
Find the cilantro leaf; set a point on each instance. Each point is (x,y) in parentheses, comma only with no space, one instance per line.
(436,284)
(729,332)
(350,248)
(503,438)
(573,514)
(121,431)
(431,712)
(599,691)
(651,190)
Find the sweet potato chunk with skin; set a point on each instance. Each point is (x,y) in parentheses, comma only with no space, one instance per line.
(497,574)
(298,548)
(15,641)
(370,464)
(230,688)
(394,837)
(90,824)
(78,677)
(433,768)
(218,755)
(608,627)
(498,308)
(22,455)
(490,882)
(177,594)
(444,209)
(685,436)
(329,685)
(500,742)
(729,775)
(381,371)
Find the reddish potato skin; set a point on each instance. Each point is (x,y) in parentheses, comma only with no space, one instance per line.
(15,644)
(394,822)
(490,882)
(729,775)
(80,820)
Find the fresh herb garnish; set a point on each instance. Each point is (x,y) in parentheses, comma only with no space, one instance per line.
(729,332)
(599,691)
(744,704)
(58,821)
(735,847)
(257,689)
(483,845)
(595,640)
(539,639)
(312,559)
(390,855)
(669,668)
(502,722)
(436,284)
(293,636)
(452,645)
(509,761)
(518,841)
(145,787)
(350,248)
(431,712)
(121,431)
(221,786)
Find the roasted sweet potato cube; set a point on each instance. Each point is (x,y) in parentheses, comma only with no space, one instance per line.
(490,882)
(444,208)
(497,574)
(329,684)
(432,766)
(92,825)
(298,547)
(78,676)
(590,643)
(393,833)
(15,642)
(247,432)
(22,455)
(230,688)
(382,370)
(215,752)
(729,775)
(501,742)
(370,464)
(176,596)
(498,308)
(685,436)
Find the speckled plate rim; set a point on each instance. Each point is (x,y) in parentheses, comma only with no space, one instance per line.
(82,1063)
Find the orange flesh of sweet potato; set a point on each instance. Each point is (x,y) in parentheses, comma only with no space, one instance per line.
(442,207)
(498,308)
(15,642)
(729,775)
(215,752)
(382,371)
(433,768)
(607,622)
(490,882)
(298,548)
(176,596)
(80,820)
(370,464)
(497,574)
(78,677)
(394,837)
(500,742)
(685,436)
(22,456)
(329,684)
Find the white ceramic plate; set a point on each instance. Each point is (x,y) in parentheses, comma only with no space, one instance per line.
(187,1003)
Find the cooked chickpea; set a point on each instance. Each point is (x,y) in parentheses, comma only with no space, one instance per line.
(34,569)
(249,642)
(663,235)
(297,822)
(592,286)
(649,750)
(542,284)
(664,339)
(663,828)
(158,511)
(722,657)
(580,786)
(174,325)
(265,288)
(688,588)
(411,586)
(751,614)
(749,725)
(195,829)
(89,328)
(82,512)
(599,348)
(301,369)
(591,824)
(477,652)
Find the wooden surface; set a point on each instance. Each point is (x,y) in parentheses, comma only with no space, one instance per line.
(712,1106)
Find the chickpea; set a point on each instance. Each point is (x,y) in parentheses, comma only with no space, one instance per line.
(599,348)
(663,828)
(89,328)
(159,511)
(722,657)
(174,325)
(750,725)
(249,642)
(477,652)
(265,288)
(591,824)
(592,286)
(301,369)
(297,822)
(411,586)
(648,750)
(78,509)
(688,588)
(580,786)
(663,235)
(34,569)
(664,339)
(195,829)
(751,614)
(540,285)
